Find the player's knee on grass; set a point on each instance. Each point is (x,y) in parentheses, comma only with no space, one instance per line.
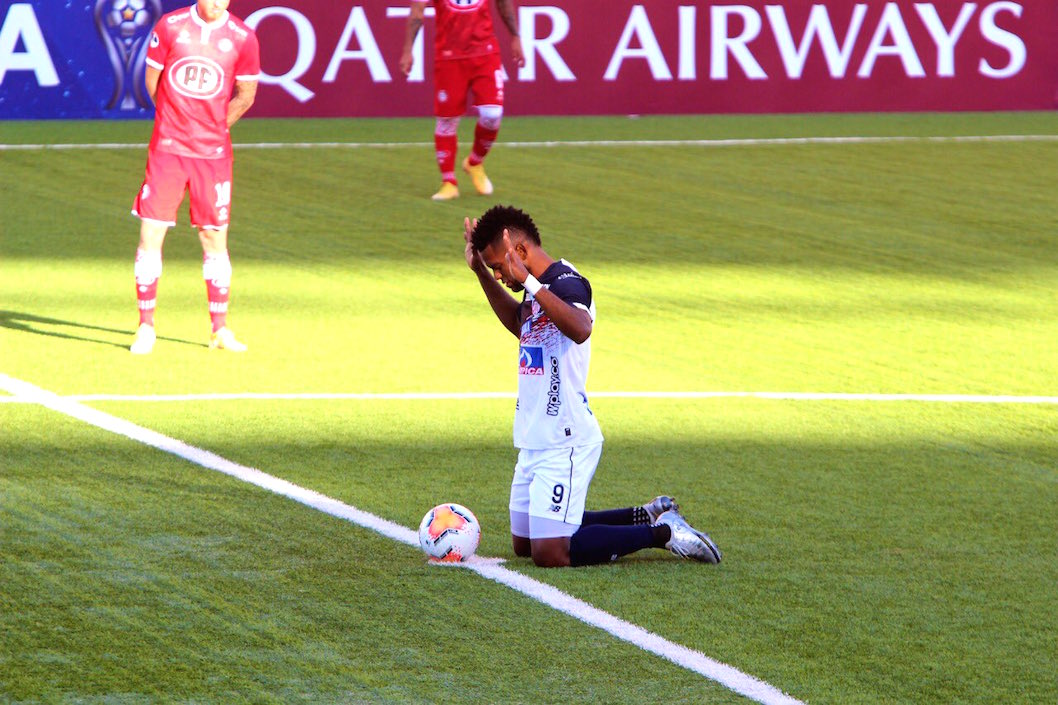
(551,553)
(523,548)
(550,541)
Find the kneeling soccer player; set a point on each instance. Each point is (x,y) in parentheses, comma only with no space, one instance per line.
(557,435)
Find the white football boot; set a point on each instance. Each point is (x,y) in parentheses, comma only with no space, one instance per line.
(688,542)
(224,339)
(658,506)
(143,344)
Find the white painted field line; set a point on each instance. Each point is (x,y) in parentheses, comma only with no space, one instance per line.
(414,396)
(737,142)
(99,419)
(695,661)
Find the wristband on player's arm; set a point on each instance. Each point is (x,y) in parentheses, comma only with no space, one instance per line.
(532,285)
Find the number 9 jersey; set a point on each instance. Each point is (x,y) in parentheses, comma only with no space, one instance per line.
(200,62)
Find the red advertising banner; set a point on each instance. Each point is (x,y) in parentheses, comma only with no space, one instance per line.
(585,57)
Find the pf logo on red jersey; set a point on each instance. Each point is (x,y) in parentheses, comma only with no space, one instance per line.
(196,77)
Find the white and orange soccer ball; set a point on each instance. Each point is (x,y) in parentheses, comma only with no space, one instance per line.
(449,533)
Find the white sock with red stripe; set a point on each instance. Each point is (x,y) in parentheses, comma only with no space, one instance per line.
(485,132)
(148,270)
(446,142)
(216,270)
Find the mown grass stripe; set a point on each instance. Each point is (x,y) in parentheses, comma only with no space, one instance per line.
(491,569)
(454,396)
(735,142)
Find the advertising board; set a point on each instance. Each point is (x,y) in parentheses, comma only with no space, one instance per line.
(330,58)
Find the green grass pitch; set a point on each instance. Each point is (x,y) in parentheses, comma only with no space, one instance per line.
(875,551)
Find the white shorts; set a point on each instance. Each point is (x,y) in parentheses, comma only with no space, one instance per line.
(549,489)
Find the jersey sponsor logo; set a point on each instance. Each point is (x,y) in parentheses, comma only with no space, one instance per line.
(155,40)
(554,398)
(197,77)
(238,30)
(531,360)
(464,5)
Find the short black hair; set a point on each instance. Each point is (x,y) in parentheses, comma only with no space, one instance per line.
(492,223)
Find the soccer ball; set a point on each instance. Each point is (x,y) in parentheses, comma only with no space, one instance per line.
(449,533)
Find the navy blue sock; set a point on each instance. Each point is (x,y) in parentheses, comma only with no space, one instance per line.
(599,543)
(626,516)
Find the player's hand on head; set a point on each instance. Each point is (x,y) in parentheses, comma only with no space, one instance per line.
(473,257)
(515,266)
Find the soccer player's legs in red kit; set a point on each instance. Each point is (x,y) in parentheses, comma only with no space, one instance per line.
(486,84)
(209,181)
(451,84)
(454,80)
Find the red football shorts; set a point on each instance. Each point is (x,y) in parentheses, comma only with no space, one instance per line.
(455,78)
(169,176)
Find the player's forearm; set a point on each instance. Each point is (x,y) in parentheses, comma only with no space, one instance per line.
(574,323)
(245,92)
(509,14)
(151,79)
(411,31)
(503,304)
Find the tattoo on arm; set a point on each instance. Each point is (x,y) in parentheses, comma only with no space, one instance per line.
(509,15)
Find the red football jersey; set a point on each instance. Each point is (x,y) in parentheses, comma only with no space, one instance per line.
(463,28)
(200,62)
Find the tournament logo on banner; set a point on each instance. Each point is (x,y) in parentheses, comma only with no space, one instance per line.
(77,59)
(321,58)
(124,27)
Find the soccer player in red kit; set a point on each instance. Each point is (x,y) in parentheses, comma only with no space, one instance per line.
(466,60)
(203,65)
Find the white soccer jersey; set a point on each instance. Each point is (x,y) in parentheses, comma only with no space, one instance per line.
(552,409)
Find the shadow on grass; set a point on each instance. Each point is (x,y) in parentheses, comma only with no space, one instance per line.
(29,323)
